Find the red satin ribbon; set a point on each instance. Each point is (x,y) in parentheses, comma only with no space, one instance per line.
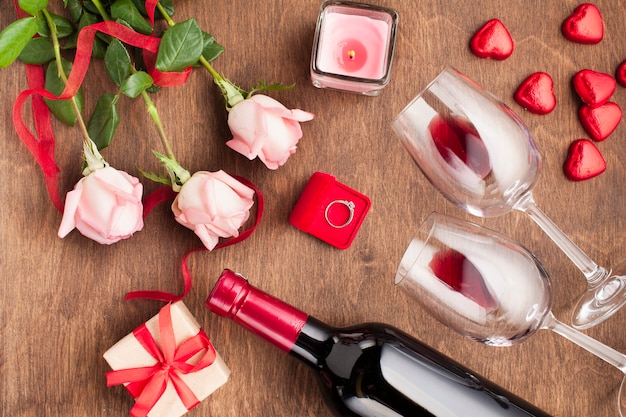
(150,6)
(148,383)
(160,195)
(156,197)
(42,149)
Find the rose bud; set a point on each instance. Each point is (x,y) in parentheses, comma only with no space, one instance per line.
(213,205)
(263,127)
(104,206)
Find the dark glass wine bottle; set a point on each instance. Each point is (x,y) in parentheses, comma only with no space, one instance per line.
(370,369)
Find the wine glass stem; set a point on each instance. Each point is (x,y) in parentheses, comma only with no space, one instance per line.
(590,344)
(594,273)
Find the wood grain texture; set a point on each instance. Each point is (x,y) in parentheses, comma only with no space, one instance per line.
(61,299)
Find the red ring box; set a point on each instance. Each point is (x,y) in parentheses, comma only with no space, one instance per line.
(330,210)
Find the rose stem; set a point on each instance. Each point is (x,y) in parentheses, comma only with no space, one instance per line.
(154,114)
(62,75)
(101,9)
(151,108)
(232,94)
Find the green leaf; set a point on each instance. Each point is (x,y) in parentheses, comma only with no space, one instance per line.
(87,19)
(127,11)
(62,109)
(160,179)
(141,6)
(104,121)
(211,49)
(153,88)
(38,51)
(181,46)
(32,7)
(14,38)
(272,87)
(178,175)
(117,62)
(76,9)
(90,7)
(99,48)
(64,26)
(136,84)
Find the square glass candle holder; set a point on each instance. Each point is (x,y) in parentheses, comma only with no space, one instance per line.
(353,47)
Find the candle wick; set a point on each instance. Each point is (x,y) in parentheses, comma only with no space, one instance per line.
(351,54)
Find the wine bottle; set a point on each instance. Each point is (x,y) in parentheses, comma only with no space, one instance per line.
(370,369)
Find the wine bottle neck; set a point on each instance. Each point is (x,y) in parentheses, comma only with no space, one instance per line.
(314,343)
(270,318)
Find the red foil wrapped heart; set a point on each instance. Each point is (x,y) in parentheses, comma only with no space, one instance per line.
(594,88)
(584,161)
(492,40)
(584,25)
(599,122)
(536,93)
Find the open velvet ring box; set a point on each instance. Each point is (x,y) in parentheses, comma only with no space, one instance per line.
(353,47)
(330,210)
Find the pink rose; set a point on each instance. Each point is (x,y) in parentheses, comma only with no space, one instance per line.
(263,127)
(104,206)
(213,205)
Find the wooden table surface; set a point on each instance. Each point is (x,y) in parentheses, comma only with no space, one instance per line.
(62,301)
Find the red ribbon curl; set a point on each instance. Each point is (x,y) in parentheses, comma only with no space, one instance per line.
(147,384)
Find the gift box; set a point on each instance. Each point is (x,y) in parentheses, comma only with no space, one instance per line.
(329,210)
(167,364)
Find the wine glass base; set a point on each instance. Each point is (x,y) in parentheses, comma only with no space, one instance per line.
(599,303)
(621,399)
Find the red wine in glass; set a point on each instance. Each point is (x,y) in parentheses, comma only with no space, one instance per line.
(460,274)
(457,140)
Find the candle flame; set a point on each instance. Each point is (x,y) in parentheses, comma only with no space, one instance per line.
(351,53)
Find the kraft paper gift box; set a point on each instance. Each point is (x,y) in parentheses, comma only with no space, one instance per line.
(167,364)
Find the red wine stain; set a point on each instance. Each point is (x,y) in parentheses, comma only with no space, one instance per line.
(457,139)
(455,270)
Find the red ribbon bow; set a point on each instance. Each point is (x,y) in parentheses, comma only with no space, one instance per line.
(148,383)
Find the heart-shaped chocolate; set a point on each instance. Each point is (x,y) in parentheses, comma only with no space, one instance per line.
(600,121)
(584,25)
(584,161)
(536,93)
(594,88)
(492,40)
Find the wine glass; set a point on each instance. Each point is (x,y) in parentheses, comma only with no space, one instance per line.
(480,156)
(486,287)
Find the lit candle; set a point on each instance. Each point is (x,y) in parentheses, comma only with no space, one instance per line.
(353,47)
(341,52)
